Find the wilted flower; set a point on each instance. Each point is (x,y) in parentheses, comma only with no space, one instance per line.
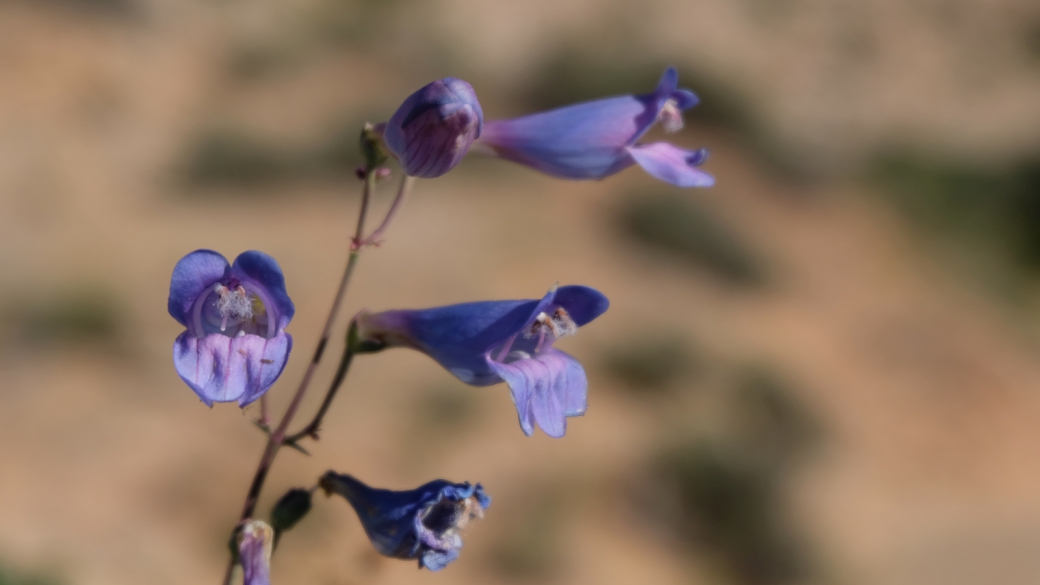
(484,343)
(596,139)
(434,128)
(254,552)
(234,347)
(422,524)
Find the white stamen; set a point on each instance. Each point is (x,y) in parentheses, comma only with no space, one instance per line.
(670,116)
(564,324)
(559,325)
(233,304)
(515,356)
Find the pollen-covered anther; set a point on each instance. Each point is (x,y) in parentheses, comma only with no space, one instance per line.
(670,116)
(470,509)
(563,322)
(559,324)
(233,304)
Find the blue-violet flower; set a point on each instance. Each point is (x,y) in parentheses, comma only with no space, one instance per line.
(596,139)
(234,346)
(255,543)
(434,128)
(484,343)
(422,524)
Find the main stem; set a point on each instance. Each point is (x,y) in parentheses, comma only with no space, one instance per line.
(275,439)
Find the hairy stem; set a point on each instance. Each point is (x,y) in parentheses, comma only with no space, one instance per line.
(276,438)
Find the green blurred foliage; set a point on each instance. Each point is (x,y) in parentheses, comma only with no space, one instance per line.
(532,549)
(723,495)
(256,61)
(448,408)
(671,221)
(9,576)
(995,209)
(235,157)
(650,363)
(109,8)
(226,156)
(771,420)
(355,22)
(75,316)
(1031,39)
(727,503)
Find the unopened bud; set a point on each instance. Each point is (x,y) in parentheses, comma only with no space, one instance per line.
(255,543)
(434,128)
(290,509)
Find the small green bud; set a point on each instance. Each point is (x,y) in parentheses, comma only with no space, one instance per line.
(290,509)
(372,148)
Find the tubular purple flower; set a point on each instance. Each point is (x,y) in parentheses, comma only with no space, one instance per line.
(234,346)
(488,342)
(596,139)
(255,543)
(422,524)
(434,128)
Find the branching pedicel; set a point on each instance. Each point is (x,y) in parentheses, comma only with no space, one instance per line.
(234,346)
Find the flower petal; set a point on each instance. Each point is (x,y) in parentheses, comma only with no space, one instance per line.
(586,140)
(225,369)
(263,270)
(435,560)
(192,275)
(546,390)
(422,523)
(582,303)
(672,164)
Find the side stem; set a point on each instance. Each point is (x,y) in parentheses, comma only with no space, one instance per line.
(376,237)
(312,428)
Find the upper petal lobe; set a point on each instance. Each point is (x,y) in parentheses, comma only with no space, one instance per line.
(192,275)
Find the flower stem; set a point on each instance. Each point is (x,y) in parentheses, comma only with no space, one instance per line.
(265,418)
(312,428)
(375,238)
(276,438)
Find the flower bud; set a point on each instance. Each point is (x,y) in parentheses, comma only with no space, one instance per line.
(290,509)
(434,128)
(371,148)
(254,552)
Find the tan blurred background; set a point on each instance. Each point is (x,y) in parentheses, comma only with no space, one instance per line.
(823,370)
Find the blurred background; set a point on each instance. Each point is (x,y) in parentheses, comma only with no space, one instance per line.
(823,370)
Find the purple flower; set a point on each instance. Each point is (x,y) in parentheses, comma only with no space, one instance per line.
(423,523)
(484,343)
(596,139)
(434,128)
(234,346)
(255,543)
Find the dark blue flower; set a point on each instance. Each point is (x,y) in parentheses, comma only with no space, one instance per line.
(255,543)
(434,128)
(596,139)
(234,346)
(487,342)
(422,524)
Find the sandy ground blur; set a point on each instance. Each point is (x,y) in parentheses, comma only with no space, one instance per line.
(113,472)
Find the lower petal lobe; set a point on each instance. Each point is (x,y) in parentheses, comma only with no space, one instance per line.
(227,369)
(546,390)
(672,164)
